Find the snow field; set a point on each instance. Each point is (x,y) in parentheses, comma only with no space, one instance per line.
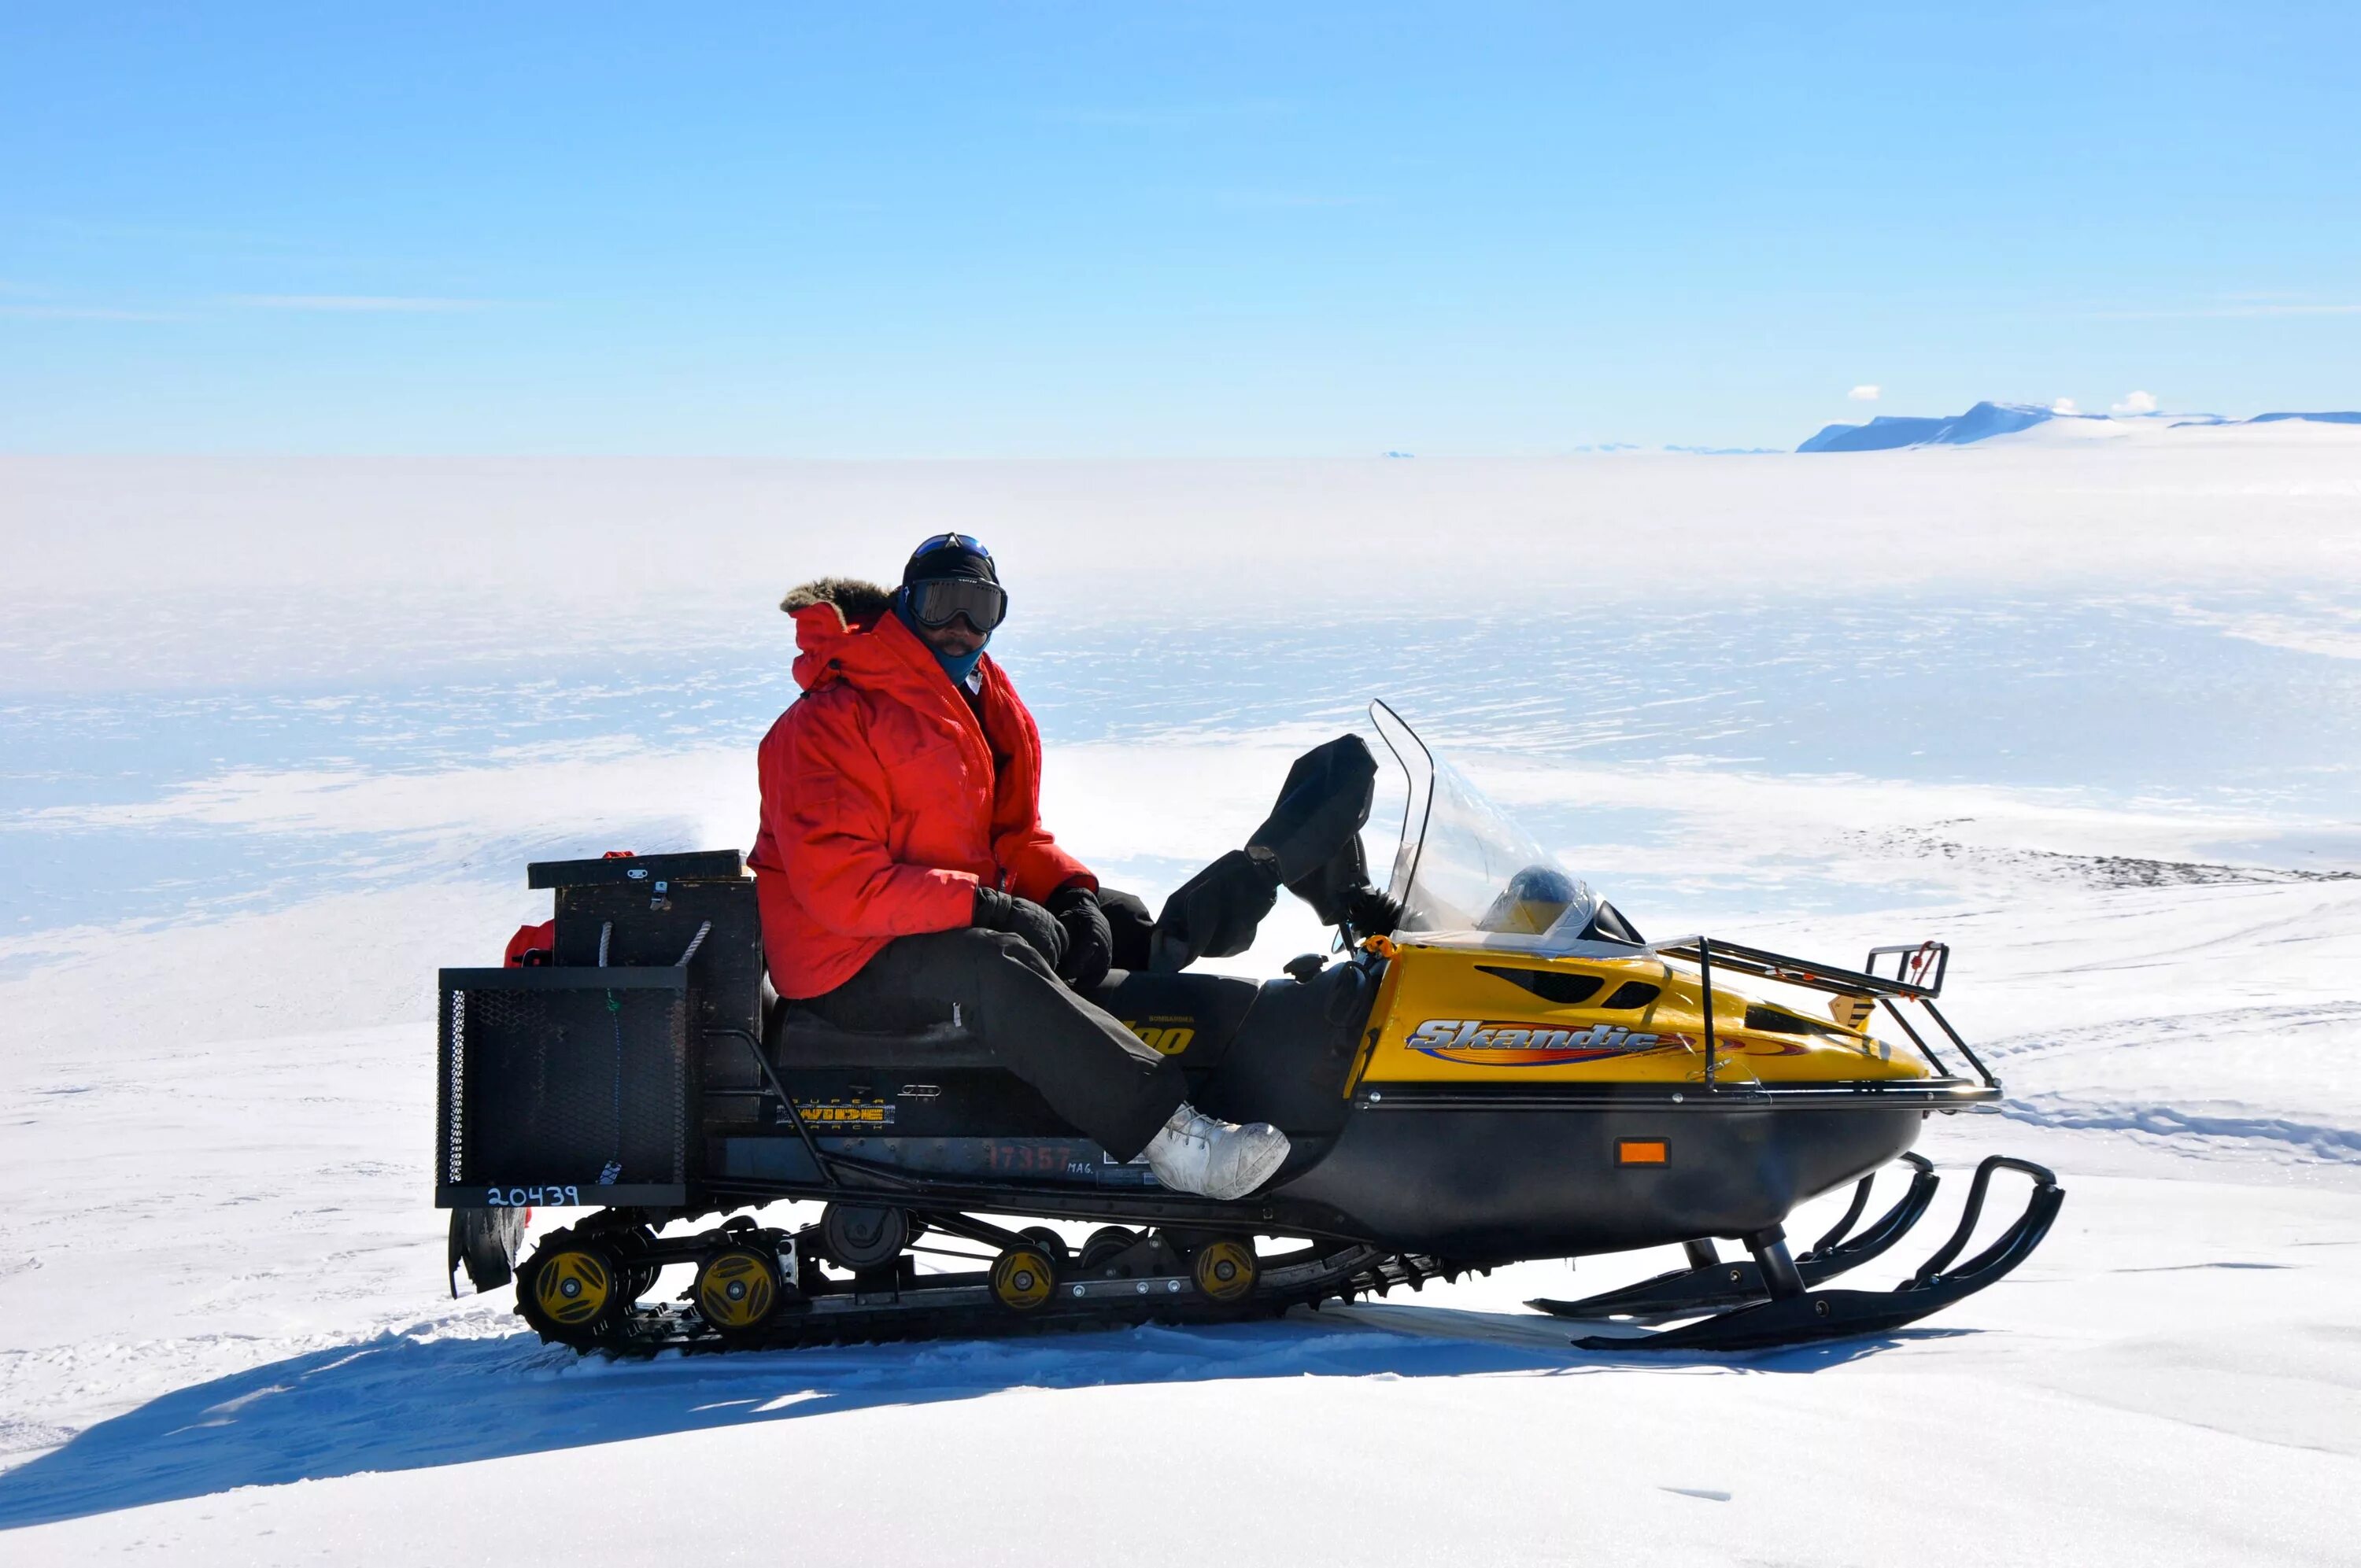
(2118,1403)
(223,1335)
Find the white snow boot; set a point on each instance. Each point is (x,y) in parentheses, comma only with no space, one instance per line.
(1204,1155)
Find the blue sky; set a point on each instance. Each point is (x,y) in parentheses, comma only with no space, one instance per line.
(1124,230)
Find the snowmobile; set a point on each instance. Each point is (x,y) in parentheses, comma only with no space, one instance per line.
(1491,1066)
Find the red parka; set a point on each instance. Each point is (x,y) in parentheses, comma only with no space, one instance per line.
(884,801)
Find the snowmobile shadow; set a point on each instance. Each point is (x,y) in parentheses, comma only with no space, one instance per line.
(411,1400)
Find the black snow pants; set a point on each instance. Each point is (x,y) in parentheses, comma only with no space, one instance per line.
(1096,1074)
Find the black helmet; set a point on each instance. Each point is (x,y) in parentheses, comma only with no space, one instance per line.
(960,555)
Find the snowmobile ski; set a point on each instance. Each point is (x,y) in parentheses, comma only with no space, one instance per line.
(1796,1314)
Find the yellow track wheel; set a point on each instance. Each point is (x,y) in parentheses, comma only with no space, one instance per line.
(1022,1277)
(572,1290)
(738,1291)
(1225,1270)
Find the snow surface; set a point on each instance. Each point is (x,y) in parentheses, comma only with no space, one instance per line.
(280,735)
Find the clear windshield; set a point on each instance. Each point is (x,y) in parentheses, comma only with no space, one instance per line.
(1467,874)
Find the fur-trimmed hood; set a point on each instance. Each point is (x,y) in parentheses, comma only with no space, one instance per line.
(846,630)
(856,603)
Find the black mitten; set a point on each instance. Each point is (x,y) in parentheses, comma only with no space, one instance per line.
(1133,926)
(998,911)
(1089,941)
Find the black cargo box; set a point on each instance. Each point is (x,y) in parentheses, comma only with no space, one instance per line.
(581,1083)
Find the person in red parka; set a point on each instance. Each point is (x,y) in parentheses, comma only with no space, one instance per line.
(901,860)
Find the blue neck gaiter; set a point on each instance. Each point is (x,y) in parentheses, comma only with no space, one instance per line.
(957,669)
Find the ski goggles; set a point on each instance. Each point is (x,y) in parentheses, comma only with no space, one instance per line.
(936,602)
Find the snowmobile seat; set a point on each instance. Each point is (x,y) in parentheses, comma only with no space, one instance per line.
(926,1092)
(801,1039)
(1190,1016)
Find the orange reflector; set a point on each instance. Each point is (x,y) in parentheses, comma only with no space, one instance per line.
(1641,1151)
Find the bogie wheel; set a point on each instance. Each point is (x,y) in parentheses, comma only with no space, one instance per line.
(1049,1242)
(572,1290)
(1225,1270)
(863,1236)
(1105,1245)
(1023,1278)
(738,1290)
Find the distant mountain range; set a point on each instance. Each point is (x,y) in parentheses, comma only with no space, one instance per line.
(1985,421)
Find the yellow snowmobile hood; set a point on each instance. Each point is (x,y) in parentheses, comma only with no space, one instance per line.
(1456,1014)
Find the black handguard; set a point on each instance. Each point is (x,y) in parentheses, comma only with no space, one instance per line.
(998,911)
(1089,939)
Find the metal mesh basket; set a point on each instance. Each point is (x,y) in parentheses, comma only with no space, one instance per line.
(564,1086)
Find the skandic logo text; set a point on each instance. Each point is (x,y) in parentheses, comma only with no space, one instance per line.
(1478,1042)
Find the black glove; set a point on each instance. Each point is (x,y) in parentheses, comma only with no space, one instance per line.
(1089,941)
(998,911)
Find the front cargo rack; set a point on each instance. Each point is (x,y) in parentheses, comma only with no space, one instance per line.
(1917,979)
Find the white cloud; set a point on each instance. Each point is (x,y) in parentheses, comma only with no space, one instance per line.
(2064,406)
(1171,117)
(1867,392)
(2136,403)
(1279,200)
(2251,308)
(80,313)
(370,303)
